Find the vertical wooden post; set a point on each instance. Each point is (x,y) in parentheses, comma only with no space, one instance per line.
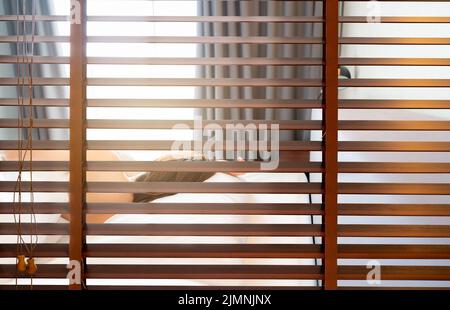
(330,143)
(77,134)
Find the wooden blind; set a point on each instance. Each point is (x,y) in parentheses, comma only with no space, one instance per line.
(353,221)
(397,212)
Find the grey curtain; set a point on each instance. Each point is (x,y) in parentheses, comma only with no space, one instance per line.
(11,70)
(259,8)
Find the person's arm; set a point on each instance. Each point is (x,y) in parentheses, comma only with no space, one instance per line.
(100,176)
(92,176)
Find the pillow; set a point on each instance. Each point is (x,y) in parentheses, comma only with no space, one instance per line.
(187,218)
(287,219)
(186,198)
(184,218)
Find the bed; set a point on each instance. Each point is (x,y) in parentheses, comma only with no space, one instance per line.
(155,218)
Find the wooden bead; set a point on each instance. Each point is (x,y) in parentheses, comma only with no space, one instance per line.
(31,266)
(21,265)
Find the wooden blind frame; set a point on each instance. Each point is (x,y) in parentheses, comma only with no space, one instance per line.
(330,142)
(77,162)
(330,251)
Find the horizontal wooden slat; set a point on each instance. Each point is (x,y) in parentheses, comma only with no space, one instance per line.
(156,124)
(193,166)
(345,146)
(169,124)
(38,186)
(37,81)
(44,271)
(393,288)
(205,103)
(286,230)
(41,250)
(5,59)
(203,272)
(398,19)
(395,188)
(395,41)
(225,61)
(179,103)
(283,125)
(36,39)
(37,166)
(34,17)
(36,102)
(168,145)
(393,104)
(243,272)
(228,19)
(397,273)
(393,251)
(41,228)
(394,82)
(201,187)
(36,123)
(438,231)
(395,125)
(360,61)
(245,103)
(104,18)
(169,39)
(231,166)
(238,208)
(38,207)
(205,208)
(393,167)
(35,287)
(397,146)
(205,250)
(395,209)
(233,19)
(199,287)
(37,144)
(170,82)
(202,82)
(139,166)
(203,39)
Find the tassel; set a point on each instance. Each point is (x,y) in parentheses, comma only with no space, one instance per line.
(31,266)
(21,266)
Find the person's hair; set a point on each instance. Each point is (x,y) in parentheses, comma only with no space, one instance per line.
(168,176)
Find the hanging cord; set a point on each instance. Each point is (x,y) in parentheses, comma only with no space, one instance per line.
(24,61)
(33,229)
(308,179)
(17,187)
(30,61)
(316,261)
(17,205)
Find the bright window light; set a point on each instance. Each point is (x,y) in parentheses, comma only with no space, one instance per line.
(137,8)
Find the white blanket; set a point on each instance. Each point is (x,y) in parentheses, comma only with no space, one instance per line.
(224,219)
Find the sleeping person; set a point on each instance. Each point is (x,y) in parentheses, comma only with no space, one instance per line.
(117,219)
